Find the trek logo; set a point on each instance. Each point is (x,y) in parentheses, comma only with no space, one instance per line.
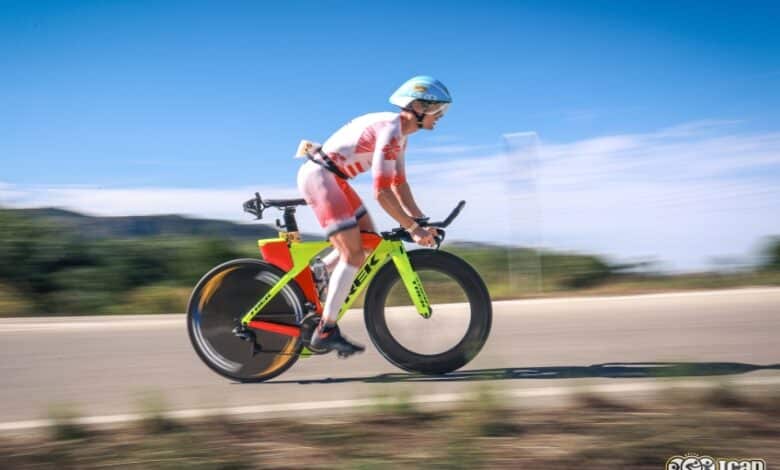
(266,298)
(705,462)
(361,277)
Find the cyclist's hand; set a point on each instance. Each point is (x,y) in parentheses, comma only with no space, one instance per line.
(433,231)
(422,237)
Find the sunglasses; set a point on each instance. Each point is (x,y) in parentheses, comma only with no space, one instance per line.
(434,107)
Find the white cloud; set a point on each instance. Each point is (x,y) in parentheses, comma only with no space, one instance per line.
(210,203)
(684,194)
(453,148)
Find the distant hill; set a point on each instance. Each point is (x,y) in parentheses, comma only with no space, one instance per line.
(92,227)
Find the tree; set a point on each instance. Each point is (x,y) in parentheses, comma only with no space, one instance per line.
(772,254)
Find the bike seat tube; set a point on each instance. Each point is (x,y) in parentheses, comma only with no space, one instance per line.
(290,224)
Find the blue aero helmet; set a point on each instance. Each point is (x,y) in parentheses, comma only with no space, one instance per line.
(434,96)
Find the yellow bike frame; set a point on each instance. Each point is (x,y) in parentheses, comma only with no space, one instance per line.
(303,252)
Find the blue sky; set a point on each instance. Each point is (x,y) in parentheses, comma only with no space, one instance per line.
(115,100)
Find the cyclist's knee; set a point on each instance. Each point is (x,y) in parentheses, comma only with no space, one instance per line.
(349,246)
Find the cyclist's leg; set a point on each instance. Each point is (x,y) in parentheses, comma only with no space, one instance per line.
(324,195)
(365,224)
(335,205)
(361,214)
(327,335)
(331,259)
(347,243)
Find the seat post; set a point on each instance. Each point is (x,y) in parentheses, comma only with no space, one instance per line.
(291,225)
(289,219)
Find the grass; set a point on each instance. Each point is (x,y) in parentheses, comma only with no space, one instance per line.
(483,431)
(14,303)
(152,406)
(65,427)
(153,299)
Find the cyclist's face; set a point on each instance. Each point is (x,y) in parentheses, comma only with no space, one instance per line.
(429,120)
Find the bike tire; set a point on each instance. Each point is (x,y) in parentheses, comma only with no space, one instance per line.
(217,304)
(478,305)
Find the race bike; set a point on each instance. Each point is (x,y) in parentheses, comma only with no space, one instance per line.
(425,310)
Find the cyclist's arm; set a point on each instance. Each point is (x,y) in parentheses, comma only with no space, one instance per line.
(404,194)
(388,173)
(401,188)
(385,180)
(390,203)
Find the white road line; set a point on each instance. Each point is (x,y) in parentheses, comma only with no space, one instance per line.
(660,295)
(139,324)
(527,393)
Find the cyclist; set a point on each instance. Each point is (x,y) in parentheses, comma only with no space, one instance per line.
(375,141)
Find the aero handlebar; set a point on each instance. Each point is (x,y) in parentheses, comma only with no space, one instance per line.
(400,233)
(257,205)
(449,218)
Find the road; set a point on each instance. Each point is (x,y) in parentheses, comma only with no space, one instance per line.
(103,366)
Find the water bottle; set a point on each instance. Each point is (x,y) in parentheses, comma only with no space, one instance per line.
(321,278)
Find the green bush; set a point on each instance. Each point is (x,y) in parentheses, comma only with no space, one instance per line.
(772,254)
(528,267)
(13,303)
(52,268)
(573,271)
(153,299)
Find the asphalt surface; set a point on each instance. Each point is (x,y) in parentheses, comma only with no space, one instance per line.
(105,366)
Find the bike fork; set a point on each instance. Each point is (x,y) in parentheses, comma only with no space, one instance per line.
(412,282)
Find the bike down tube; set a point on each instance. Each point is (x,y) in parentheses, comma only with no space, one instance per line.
(375,260)
(301,254)
(411,281)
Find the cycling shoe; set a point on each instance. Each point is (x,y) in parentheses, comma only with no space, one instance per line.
(330,339)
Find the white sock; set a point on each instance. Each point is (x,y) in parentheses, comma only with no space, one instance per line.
(331,259)
(338,289)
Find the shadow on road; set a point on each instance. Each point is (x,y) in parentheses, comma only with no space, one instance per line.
(616,370)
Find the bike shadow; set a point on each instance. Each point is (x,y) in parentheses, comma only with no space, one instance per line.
(612,370)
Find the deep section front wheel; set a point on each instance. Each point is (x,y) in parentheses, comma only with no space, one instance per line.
(460,320)
(221,298)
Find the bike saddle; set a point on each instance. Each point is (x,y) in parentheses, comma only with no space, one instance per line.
(284,202)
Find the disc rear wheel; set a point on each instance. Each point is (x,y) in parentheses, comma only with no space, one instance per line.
(219,302)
